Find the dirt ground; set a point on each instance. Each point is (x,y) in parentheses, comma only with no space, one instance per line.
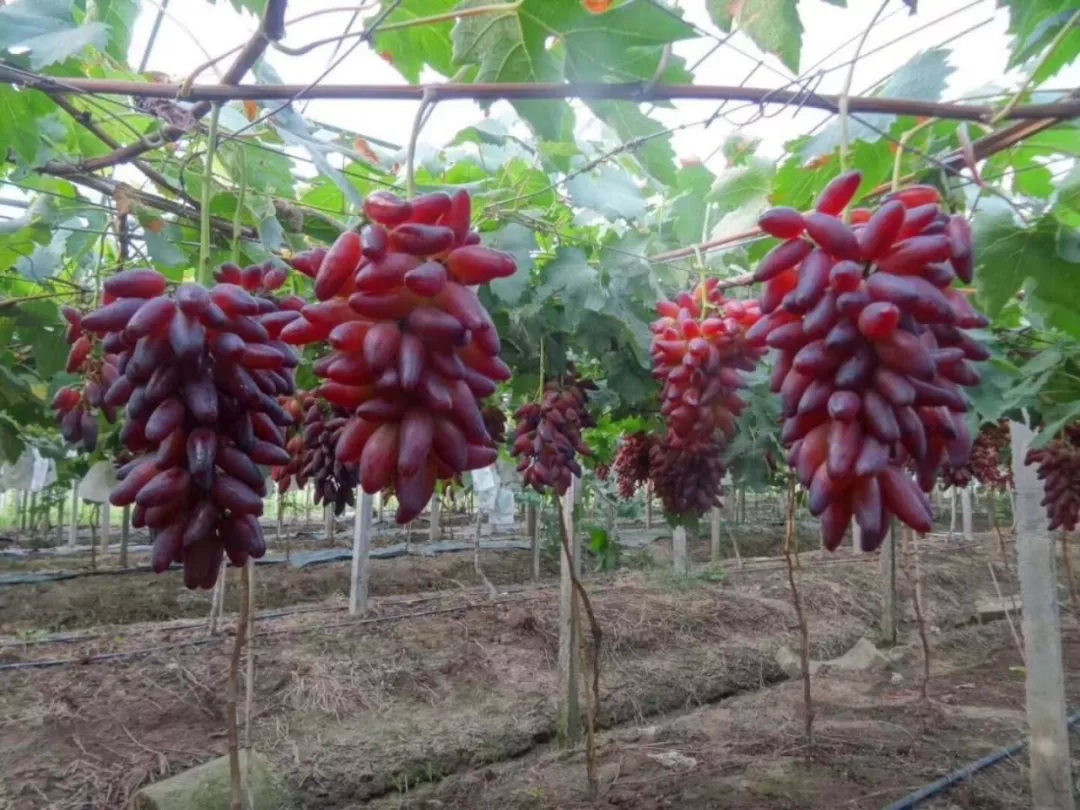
(447,700)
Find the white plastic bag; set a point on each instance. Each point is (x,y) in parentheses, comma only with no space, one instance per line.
(98,482)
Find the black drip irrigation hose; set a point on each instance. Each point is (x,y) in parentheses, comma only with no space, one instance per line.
(972,768)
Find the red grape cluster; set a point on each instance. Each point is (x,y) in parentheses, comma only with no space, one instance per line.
(871,352)
(548,433)
(414,350)
(199,372)
(312,456)
(699,349)
(1059,470)
(495,422)
(602,470)
(985,463)
(686,476)
(74,405)
(632,463)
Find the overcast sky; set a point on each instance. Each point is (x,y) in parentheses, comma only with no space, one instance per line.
(979,57)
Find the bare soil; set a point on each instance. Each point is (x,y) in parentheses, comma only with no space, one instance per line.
(447,700)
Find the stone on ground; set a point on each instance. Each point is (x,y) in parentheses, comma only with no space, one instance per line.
(207,787)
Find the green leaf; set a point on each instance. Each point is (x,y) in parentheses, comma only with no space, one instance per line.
(47,30)
(773,25)
(686,213)
(513,47)
(271,233)
(743,185)
(20,130)
(921,78)
(654,153)
(570,280)
(119,16)
(520,242)
(1011,256)
(46,260)
(162,248)
(610,191)
(410,49)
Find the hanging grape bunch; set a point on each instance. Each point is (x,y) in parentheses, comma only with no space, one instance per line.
(73,405)
(414,350)
(495,422)
(632,463)
(311,453)
(548,433)
(872,354)
(602,470)
(985,462)
(699,349)
(199,371)
(1059,470)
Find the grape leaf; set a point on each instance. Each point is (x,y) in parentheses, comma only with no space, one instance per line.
(655,154)
(773,25)
(1012,256)
(1033,24)
(573,282)
(513,46)
(410,49)
(47,30)
(20,130)
(687,211)
(119,16)
(520,242)
(46,260)
(922,78)
(610,191)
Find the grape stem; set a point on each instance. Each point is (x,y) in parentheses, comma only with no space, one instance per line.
(1030,80)
(426,101)
(901,146)
(203,275)
(844,103)
(241,192)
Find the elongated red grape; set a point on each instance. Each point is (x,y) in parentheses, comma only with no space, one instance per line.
(386,208)
(838,193)
(338,264)
(783,222)
(782,257)
(379,458)
(381,345)
(136,283)
(881,230)
(414,441)
(112,317)
(428,279)
(233,494)
(419,239)
(902,498)
(164,487)
(476,264)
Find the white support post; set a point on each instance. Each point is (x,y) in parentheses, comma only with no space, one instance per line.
(965,513)
(648,504)
(952,512)
(678,550)
(1051,773)
(888,586)
(358,588)
(328,521)
(59,520)
(856,536)
(568,723)
(73,528)
(125,531)
(435,529)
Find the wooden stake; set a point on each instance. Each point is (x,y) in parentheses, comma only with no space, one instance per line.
(106,518)
(231,692)
(568,724)
(916,580)
(804,631)
(358,588)
(888,586)
(532,529)
(714,535)
(60,520)
(1050,767)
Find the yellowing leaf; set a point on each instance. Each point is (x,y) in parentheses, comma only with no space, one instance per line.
(251,110)
(154,225)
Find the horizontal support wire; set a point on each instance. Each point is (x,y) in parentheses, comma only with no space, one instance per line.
(628,91)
